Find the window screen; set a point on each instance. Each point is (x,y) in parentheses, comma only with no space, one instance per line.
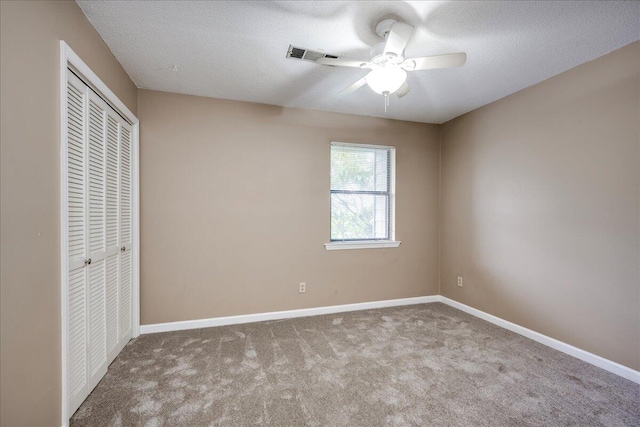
(361,192)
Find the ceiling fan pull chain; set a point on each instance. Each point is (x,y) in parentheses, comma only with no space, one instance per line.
(386,101)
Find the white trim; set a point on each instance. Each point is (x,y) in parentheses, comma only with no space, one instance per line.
(277,315)
(356,145)
(600,362)
(64,228)
(135,202)
(392,195)
(95,81)
(362,244)
(69,58)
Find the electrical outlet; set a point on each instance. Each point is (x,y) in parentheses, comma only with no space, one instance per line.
(303,287)
(460,281)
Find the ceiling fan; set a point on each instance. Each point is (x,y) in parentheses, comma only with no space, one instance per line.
(388,65)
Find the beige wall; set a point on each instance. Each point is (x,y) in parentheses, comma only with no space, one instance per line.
(29,252)
(541,207)
(235,209)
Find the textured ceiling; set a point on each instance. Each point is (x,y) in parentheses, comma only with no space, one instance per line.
(236,50)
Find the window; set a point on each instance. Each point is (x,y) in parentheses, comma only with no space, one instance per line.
(362,196)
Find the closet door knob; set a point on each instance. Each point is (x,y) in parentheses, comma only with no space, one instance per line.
(122,249)
(87,262)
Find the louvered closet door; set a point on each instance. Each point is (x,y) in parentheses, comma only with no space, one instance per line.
(119,234)
(77,325)
(97,320)
(113,248)
(100,238)
(126,224)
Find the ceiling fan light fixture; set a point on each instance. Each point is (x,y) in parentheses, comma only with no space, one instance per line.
(386,79)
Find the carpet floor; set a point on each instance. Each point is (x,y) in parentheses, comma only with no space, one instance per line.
(421,365)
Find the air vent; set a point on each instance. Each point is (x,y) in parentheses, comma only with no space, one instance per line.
(306,54)
(295,52)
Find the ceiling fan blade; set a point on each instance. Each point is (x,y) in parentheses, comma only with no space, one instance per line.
(404,89)
(432,62)
(343,62)
(353,87)
(398,38)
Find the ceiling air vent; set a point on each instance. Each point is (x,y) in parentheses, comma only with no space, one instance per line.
(306,54)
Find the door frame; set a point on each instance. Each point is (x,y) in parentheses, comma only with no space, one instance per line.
(69,58)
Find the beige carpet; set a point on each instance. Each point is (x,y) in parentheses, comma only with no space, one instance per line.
(417,365)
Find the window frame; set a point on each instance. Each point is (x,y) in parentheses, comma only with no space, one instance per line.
(387,242)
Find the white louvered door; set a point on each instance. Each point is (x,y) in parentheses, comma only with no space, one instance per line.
(113,249)
(96,239)
(125,232)
(77,377)
(99,171)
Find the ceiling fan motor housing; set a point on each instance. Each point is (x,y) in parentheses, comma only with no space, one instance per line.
(383,27)
(379,58)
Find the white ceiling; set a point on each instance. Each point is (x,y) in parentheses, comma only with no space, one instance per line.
(236,50)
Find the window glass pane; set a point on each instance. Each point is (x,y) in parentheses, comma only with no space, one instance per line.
(358,216)
(359,169)
(380,217)
(360,192)
(382,170)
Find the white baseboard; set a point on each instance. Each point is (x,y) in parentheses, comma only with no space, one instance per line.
(277,315)
(600,362)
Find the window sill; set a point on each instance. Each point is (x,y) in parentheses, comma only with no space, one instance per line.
(365,244)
